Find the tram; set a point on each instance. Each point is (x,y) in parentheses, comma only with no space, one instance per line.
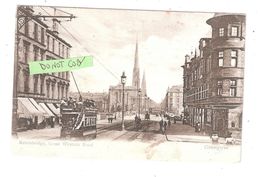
(78,120)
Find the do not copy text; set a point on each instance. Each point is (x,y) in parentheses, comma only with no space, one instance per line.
(61,65)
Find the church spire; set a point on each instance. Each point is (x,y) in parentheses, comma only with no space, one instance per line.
(144,84)
(136,56)
(136,70)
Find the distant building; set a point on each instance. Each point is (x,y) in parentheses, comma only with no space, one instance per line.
(134,100)
(101,99)
(173,101)
(213,80)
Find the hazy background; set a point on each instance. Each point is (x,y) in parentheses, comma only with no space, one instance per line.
(164,39)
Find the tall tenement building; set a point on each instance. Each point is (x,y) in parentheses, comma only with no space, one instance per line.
(173,102)
(37,95)
(213,80)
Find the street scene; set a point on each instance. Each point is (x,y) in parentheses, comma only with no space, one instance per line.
(168,83)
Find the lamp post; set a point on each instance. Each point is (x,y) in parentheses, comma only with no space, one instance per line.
(139,102)
(123,81)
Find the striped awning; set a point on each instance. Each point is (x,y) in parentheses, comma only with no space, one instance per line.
(55,111)
(27,109)
(47,110)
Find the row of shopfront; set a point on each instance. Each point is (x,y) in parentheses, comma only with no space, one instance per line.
(34,114)
(216,119)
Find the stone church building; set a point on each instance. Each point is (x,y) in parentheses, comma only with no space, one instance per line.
(136,100)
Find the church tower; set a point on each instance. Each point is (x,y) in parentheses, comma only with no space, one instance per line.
(136,70)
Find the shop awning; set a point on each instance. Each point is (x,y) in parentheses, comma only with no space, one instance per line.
(46,110)
(27,109)
(38,107)
(54,110)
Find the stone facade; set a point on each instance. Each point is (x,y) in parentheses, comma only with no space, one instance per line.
(36,43)
(213,80)
(173,102)
(136,99)
(101,99)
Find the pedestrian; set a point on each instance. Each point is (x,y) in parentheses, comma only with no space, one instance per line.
(169,122)
(161,125)
(164,126)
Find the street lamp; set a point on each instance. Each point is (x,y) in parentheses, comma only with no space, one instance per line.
(123,81)
(139,102)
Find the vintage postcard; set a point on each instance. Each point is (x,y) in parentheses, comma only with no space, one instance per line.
(128,84)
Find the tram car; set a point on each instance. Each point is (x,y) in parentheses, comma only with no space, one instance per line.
(78,120)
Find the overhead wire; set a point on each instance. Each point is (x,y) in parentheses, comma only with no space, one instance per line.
(78,41)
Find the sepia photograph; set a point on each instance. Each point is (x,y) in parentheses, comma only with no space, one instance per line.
(128,84)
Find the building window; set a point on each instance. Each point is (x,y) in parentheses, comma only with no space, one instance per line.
(234,31)
(42,85)
(233,124)
(221,32)
(220,58)
(26,26)
(42,54)
(233,88)
(220,88)
(53,45)
(59,49)
(52,90)
(67,54)
(25,51)
(35,88)
(48,89)
(42,35)
(63,51)
(234,58)
(26,82)
(59,96)
(35,53)
(48,42)
(36,31)
(203,43)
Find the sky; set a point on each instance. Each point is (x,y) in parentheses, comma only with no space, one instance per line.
(164,38)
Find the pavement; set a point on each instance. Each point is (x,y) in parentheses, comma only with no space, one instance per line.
(150,131)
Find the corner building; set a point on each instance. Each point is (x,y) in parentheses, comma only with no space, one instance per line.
(38,95)
(38,43)
(213,81)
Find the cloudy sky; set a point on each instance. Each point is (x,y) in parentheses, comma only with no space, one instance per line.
(164,39)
